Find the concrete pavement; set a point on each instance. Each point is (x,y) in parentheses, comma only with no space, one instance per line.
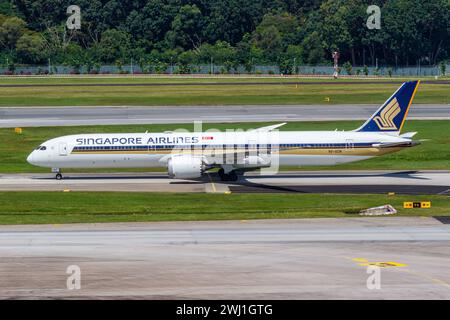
(259,259)
(70,116)
(337,181)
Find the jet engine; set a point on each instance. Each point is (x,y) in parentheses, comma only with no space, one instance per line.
(185,167)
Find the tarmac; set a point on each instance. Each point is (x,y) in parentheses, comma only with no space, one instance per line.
(257,259)
(337,181)
(11,117)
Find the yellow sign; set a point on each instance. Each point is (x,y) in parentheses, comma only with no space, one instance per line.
(423,204)
(407,205)
(18,130)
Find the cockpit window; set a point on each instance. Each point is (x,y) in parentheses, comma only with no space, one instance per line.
(41,148)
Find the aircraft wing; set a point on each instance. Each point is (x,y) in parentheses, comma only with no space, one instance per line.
(269,128)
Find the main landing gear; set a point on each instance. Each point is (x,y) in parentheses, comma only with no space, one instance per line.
(58,175)
(231,176)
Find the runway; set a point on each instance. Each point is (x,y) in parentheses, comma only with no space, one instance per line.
(258,259)
(377,181)
(70,116)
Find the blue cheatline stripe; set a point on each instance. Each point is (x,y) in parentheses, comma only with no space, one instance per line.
(227,146)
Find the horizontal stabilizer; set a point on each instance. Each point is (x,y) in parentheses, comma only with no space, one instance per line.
(396,144)
(408,135)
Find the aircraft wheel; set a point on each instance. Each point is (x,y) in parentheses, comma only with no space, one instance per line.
(58,176)
(233,176)
(222,174)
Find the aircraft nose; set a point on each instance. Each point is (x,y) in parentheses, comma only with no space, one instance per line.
(30,158)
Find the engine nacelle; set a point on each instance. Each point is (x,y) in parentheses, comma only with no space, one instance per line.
(185,167)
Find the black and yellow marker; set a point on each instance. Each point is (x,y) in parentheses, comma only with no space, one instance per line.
(422,204)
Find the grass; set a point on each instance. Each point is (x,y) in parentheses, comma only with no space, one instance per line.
(433,154)
(273,92)
(84,207)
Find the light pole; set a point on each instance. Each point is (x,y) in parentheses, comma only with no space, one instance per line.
(131,65)
(335,56)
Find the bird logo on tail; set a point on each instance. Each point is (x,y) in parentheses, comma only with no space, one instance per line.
(385,121)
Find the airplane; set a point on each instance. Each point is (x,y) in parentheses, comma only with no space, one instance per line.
(191,155)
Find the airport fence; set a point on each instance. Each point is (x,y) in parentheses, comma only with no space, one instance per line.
(221,69)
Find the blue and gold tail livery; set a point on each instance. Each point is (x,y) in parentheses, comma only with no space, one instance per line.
(391,116)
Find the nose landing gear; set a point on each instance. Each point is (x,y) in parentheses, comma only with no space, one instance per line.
(58,173)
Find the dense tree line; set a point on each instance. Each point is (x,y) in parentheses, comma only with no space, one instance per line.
(286,33)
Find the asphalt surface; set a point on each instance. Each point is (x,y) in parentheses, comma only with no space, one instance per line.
(259,259)
(70,116)
(402,182)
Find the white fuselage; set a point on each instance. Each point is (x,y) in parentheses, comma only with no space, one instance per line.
(239,149)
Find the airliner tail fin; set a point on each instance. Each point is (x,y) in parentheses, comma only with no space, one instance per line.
(390,117)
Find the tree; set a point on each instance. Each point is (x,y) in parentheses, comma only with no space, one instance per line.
(274,34)
(30,48)
(187,28)
(366,70)
(443,68)
(294,54)
(221,53)
(57,39)
(313,51)
(115,44)
(334,29)
(185,61)
(348,68)
(11,30)
(254,31)
(75,57)
(423,31)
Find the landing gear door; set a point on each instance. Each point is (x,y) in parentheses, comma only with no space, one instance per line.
(63,149)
